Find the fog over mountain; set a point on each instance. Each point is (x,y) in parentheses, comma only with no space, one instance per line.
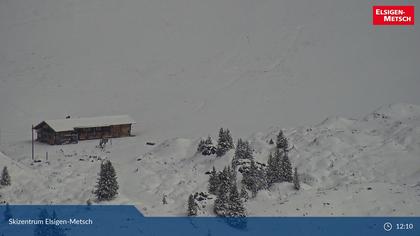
(182,68)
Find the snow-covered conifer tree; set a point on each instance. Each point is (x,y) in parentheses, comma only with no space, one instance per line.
(243,151)
(206,147)
(192,206)
(107,185)
(5,177)
(222,200)
(250,179)
(229,139)
(236,213)
(236,206)
(214,182)
(296,181)
(238,154)
(224,143)
(286,168)
(281,142)
(248,151)
(239,149)
(254,178)
(274,168)
(200,147)
(244,193)
(232,175)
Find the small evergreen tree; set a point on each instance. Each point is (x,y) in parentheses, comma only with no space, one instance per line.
(107,185)
(200,147)
(214,182)
(244,193)
(5,177)
(210,149)
(274,168)
(236,216)
(7,213)
(221,144)
(261,178)
(286,168)
(225,180)
(236,207)
(221,204)
(248,151)
(238,151)
(296,181)
(192,206)
(229,139)
(206,147)
(250,179)
(224,143)
(232,176)
(243,151)
(281,142)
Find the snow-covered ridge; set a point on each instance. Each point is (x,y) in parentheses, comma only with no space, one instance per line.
(368,166)
(399,111)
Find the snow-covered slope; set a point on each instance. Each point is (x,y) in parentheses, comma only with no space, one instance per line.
(368,166)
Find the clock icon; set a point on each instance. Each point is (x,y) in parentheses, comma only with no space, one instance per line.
(387,226)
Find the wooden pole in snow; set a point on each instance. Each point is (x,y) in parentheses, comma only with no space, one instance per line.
(32,142)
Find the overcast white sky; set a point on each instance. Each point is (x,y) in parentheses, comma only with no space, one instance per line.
(183,68)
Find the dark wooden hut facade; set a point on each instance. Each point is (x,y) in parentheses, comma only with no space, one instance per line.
(63,131)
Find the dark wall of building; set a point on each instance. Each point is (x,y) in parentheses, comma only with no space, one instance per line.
(47,135)
(66,137)
(93,133)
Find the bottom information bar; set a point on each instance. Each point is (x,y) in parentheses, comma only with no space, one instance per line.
(121,220)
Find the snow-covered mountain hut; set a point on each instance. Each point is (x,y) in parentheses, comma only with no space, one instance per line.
(71,130)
